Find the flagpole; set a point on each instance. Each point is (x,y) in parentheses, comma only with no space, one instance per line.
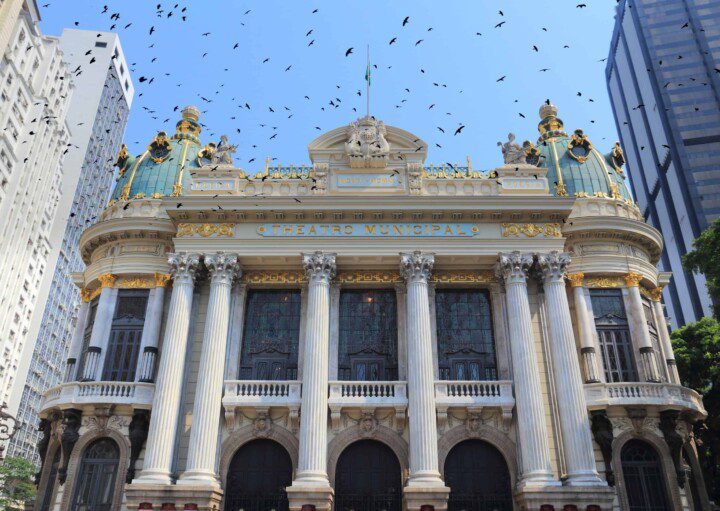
(367,94)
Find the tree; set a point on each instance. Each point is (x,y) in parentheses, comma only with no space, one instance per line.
(16,483)
(705,258)
(697,352)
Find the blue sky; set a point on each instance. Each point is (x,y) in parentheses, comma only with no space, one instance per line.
(465,66)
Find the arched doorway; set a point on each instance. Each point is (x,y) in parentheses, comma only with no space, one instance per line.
(95,486)
(258,475)
(368,478)
(643,476)
(478,477)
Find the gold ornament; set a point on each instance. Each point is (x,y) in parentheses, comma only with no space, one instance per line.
(604,282)
(656,294)
(633,279)
(107,279)
(274,277)
(370,277)
(576,279)
(532,230)
(161,279)
(186,230)
(463,277)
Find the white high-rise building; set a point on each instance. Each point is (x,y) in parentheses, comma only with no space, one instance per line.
(97,117)
(35,92)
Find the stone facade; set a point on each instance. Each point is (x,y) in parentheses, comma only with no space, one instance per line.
(549,409)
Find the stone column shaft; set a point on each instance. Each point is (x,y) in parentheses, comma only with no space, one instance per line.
(416,268)
(151,330)
(312,459)
(673,375)
(648,360)
(534,453)
(208,393)
(99,337)
(574,423)
(166,403)
(585,329)
(76,343)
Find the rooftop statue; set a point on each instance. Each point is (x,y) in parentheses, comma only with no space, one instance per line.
(366,144)
(512,152)
(217,154)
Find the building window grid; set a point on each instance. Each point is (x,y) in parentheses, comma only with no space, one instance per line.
(611,323)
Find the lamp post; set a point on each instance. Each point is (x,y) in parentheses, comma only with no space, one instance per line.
(8,428)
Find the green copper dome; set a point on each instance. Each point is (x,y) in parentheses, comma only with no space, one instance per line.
(575,167)
(165,166)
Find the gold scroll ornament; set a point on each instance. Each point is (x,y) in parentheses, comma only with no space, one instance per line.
(188,230)
(532,230)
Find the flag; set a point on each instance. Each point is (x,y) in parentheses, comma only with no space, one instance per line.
(367,74)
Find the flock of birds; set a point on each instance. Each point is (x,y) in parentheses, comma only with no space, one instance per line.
(275,120)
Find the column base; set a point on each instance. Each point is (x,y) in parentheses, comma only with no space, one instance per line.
(531,499)
(540,480)
(319,495)
(205,497)
(418,496)
(152,477)
(198,478)
(584,479)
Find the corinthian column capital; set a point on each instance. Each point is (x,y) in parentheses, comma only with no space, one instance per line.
(553,266)
(416,266)
(319,266)
(513,267)
(183,267)
(223,267)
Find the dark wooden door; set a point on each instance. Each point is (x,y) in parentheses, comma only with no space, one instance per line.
(643,475)
(478,477)
(95,483)
(258,475)
(368,478)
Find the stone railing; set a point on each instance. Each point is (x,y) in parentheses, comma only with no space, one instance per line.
(367,396)
(68,395)
(473,396)
(660,395)
(261,395)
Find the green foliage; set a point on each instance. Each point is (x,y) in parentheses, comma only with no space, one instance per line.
(16,483)
(705,258)
(697,351)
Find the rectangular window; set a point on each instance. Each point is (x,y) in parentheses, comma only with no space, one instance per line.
(87,333)
(611,324)
(654,336)
(368,335)
(271,335)
(466,346)
(100,44)
(125,335)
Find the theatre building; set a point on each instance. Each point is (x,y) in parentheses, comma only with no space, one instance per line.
(370,332)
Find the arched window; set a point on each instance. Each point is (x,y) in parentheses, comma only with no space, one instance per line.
(50,482)
(643,475)
(258,475)
(368,478)
(367,341)
(95,479)
(467,467)
(466,347)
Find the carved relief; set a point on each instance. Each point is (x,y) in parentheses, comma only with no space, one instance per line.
(319,176)
(71,426)
(675,433)
(602,430)
(531,230)
(366,145)
(205,230)
(368,424)
(138,433)
(262,424)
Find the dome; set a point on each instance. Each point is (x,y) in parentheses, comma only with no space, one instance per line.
(165,166)
(575,167)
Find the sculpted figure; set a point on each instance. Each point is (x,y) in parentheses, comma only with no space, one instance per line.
(512,152)
(366,143)
(224,152)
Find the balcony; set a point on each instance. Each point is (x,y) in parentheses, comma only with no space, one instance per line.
(664,396)
(368,396)
(473,396)
(77,394)
(261,396)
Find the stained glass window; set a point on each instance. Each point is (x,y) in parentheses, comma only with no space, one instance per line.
(271,335)
(611,324)
(125,335)
(466,345)
(368,335)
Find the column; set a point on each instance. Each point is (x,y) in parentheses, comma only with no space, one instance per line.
(101,328)
(534,453)
(166,403)
(77,338)
(656,297)
(200,466)
(574,423)
(416,268)
(641,333)
(151,330)
(311,484)
(582,316)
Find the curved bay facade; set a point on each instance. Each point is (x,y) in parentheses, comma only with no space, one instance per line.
(369,331)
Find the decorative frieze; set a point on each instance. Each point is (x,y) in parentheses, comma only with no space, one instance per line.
(576,279)
(368,277)
(529,230)
(463,277)
(205,230)
(604,282)
(107,279)
(274,277)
